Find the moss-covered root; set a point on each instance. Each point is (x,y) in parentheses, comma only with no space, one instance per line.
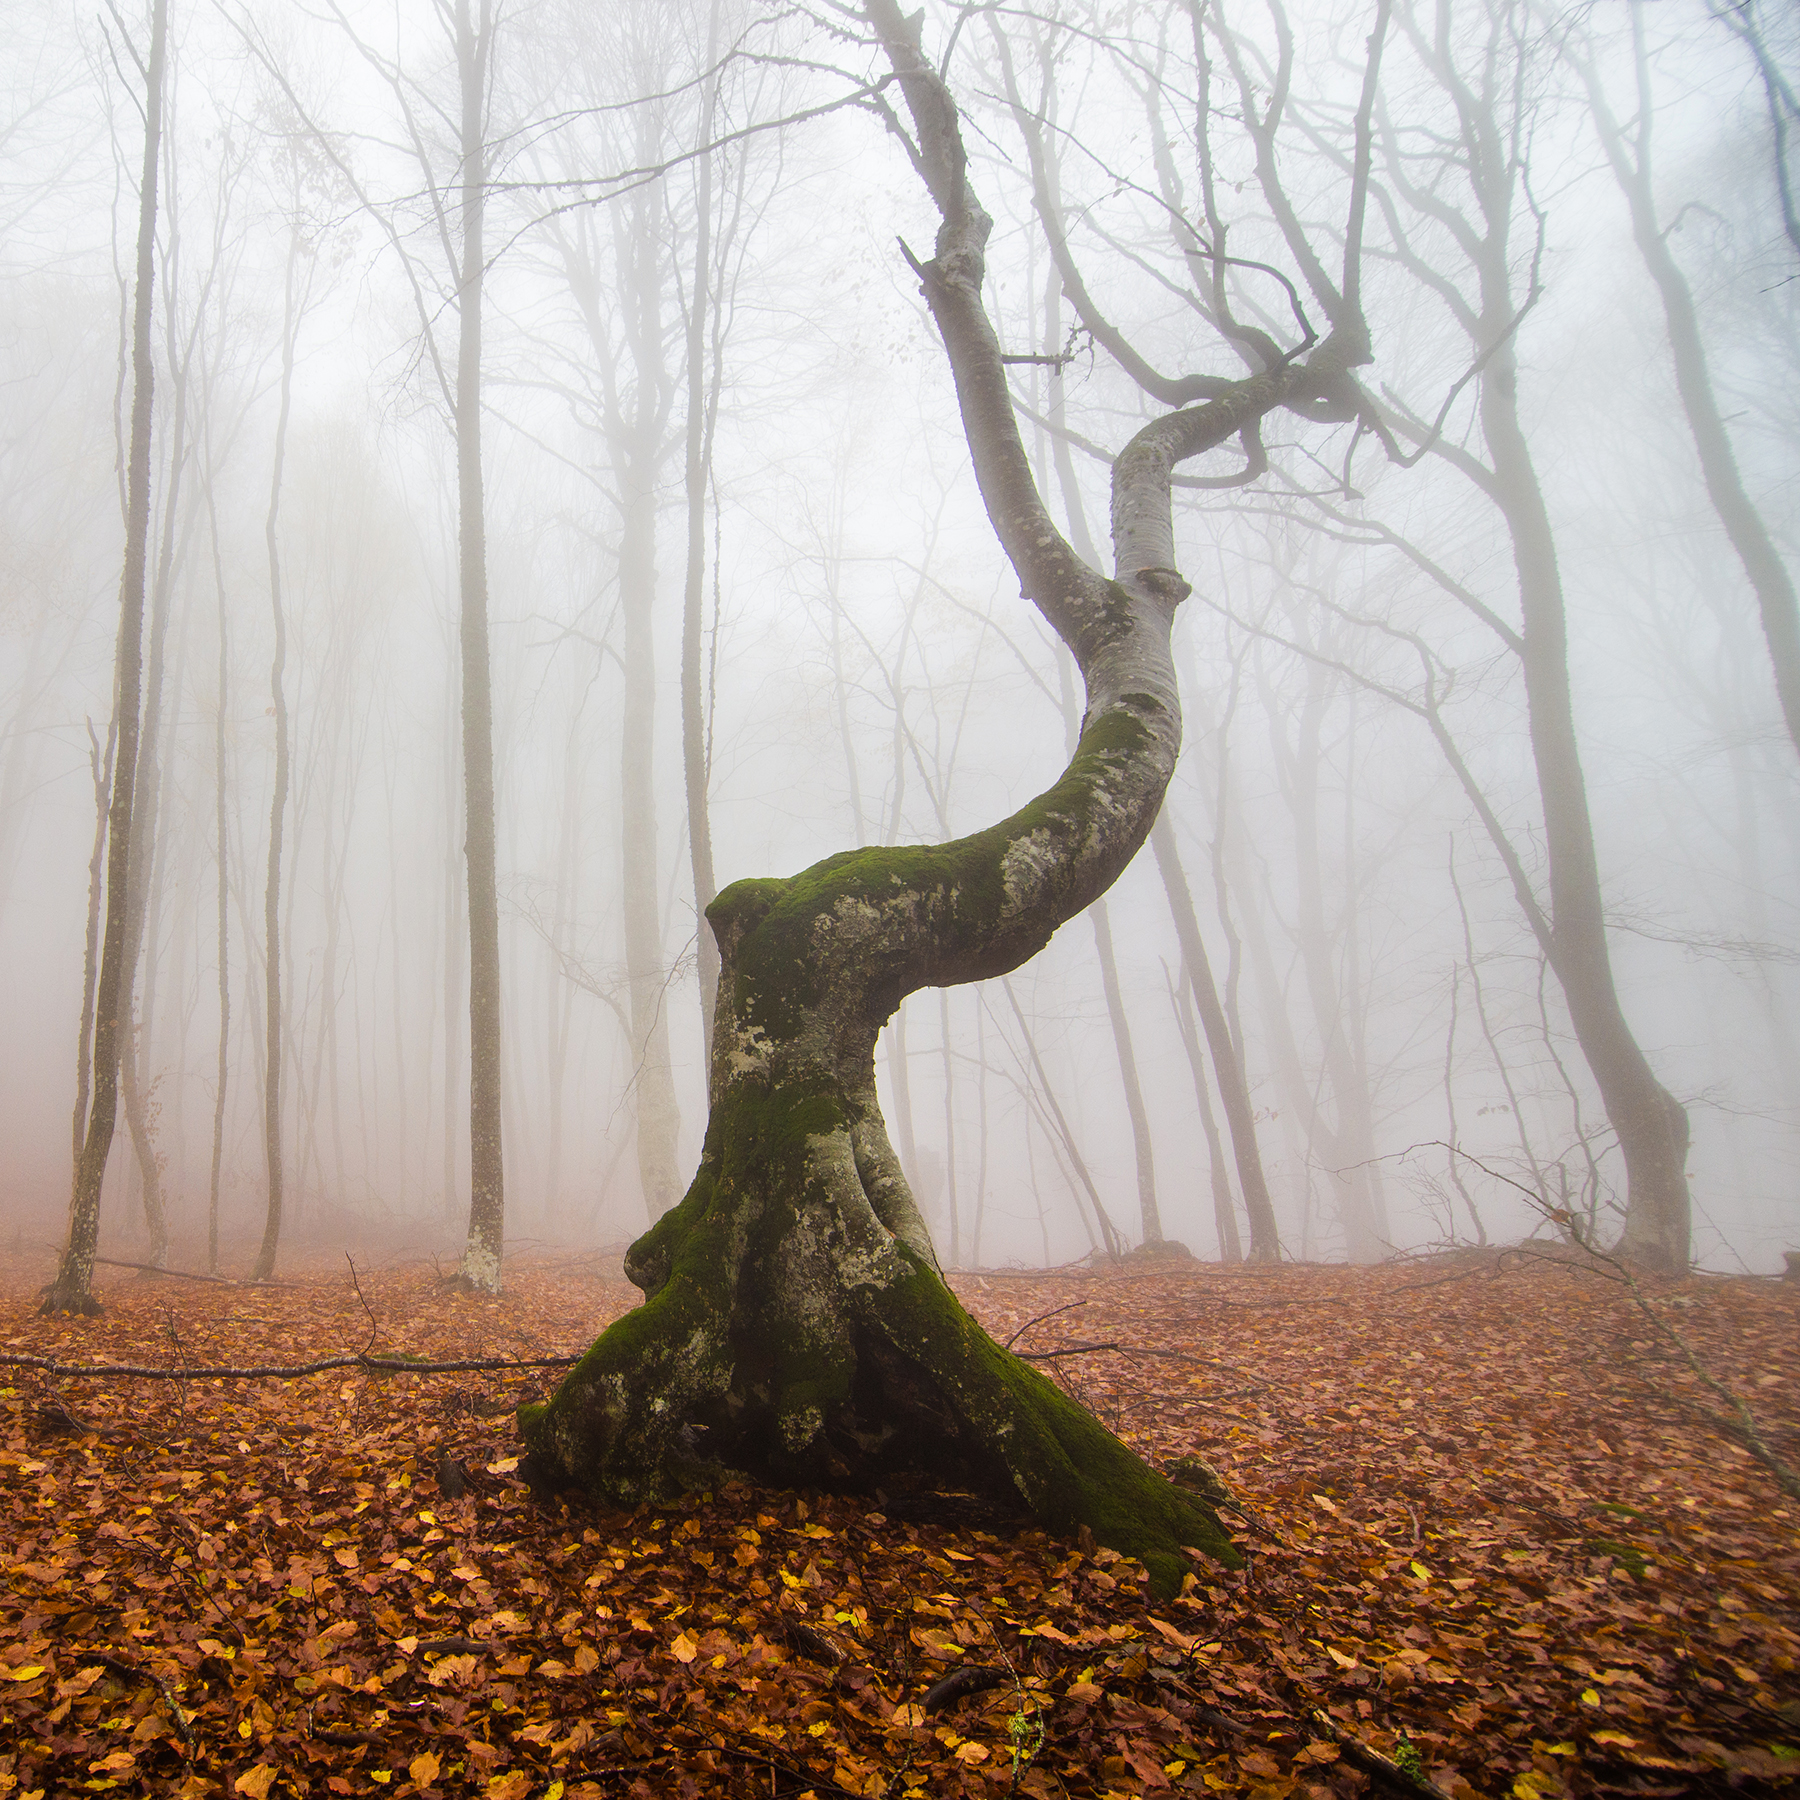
(1066,1466)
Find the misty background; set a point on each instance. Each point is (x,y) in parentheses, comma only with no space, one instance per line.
(868,672)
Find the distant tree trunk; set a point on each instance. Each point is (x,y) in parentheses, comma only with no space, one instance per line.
(1769,578)
(702,410)
(224,1070)
(72,1290)
(273,1021)
(1228,1069)
(1150,1219)
(146,807)
(1349,1140)
(480,1266)
(1652,1125)
(1492,126)
(100,765)
(1231,1248)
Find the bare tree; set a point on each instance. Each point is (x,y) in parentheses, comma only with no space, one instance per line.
(795,1318)
(72,1289)
(1628,151)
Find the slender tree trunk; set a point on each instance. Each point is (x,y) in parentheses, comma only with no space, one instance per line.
(702,402)
(1652,1126)
(1231,1249)
(949,1129)
(72,1290)
(273,1021)
(100,766)
(1769,578)
(1351,1137)
(224,1070)
(1228,1069)
(480,1266)
(141,935)
(1149,1217)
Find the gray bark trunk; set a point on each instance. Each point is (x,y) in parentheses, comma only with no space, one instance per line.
(480,1265)
(795,1322)
(273,1019)
(72,1290)
(1149,1215)
(1228,1068)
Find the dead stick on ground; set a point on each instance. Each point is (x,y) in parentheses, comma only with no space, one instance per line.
(386,1365)
(1356,1751)
(162,1687)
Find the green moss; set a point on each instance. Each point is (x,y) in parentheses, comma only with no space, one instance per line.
(1068,1468)
(960,885)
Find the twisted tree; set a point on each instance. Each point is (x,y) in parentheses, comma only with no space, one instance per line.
(796,1324)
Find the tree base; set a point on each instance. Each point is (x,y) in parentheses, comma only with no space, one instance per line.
(789,1334)
(60,1301)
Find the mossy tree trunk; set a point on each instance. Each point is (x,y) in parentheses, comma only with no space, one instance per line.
(796,1324)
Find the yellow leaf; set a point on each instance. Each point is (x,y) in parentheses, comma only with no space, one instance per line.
(504,1466)
(255,1783)
(1420,1570)
(381,1775)
(514,1785)
(1320,1500)
(29,1672)
(909,1715)
(1338,1657)
(1615,1737)
(424,1767)
(971,1753)
(818,1728)
(587,1659)
(685,1648)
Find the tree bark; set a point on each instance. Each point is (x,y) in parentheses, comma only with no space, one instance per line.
(796,1323)
(1769,578)
(1149,1215)
(1228,1068)
(480,1265)
(1651,1124)
(72,1290)
(273,1022)
(702,402)
(1231,1249)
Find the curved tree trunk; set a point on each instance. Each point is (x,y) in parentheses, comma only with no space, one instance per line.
(1743,523)
(1651,1124)
(796,1324)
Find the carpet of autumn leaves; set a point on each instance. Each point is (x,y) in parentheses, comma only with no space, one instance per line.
(1486,1535)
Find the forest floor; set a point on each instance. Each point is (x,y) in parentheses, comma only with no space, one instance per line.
(1488,1535)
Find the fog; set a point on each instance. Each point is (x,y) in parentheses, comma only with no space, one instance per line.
(865,670)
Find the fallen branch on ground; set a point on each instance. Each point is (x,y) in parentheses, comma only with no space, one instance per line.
(374,1365)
